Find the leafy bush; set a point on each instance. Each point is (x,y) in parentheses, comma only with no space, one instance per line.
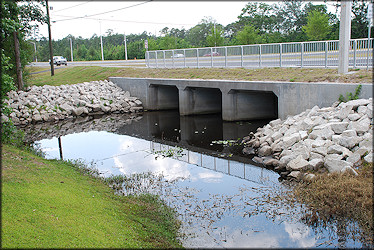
(11,135)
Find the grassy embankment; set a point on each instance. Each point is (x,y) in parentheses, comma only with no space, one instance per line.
(72,75)
(51,204)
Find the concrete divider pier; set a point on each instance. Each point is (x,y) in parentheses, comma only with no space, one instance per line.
(236,100)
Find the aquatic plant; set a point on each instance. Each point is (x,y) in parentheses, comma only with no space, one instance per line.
(171,153)
(228,143)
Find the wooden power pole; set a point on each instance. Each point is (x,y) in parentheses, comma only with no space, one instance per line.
(50,41)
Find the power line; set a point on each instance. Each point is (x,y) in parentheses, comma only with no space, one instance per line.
(72,6)
(125,21)
(104,12)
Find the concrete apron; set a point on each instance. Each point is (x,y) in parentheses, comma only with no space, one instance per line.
(236,100)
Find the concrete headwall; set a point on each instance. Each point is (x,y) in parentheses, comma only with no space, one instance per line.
(240,100)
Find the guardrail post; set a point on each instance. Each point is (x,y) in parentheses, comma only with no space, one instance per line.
(259,55)
(201,159)
(354,53)
(225,57)
(147,58)
(280,55)
(197,57)
(173,58)
(164,60)
(326,46)
(211,57)
(156,59)
(367,61)
(184,56)
(228,166)
(302,55)
(241,56)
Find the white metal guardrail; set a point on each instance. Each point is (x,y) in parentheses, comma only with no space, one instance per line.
(294,54)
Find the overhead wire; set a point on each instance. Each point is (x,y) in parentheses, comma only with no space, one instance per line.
(127,21)
(106,12)
(72,6)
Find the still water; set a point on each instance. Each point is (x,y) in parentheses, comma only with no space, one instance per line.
(221,196)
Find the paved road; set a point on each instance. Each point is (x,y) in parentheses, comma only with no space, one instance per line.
(106,63)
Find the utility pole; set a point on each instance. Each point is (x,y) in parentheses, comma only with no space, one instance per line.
(71,49)
(344,36)
(125,47)
(215,36)
(101,42)
(60,148)
(36,57)
(50,41)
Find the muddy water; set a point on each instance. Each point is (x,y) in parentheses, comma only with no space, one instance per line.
(222,197)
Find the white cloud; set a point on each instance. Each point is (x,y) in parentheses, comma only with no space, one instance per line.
(211,177)
(125,143)
(300,233)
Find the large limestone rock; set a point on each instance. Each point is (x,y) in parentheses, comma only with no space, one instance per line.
(298,164)
(335,165)
(356,103)
(265,151)
(337,149)
(291,140)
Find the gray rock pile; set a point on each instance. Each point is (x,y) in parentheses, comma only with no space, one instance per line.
(333,139)
(53,103)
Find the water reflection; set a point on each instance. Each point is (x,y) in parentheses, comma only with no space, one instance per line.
(220,199)
(241,170)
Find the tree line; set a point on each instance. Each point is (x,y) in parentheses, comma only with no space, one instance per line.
(287,21)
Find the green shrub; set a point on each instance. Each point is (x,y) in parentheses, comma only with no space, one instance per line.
(350,96)
(11,135)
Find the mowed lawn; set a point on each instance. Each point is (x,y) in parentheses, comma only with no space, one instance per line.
(79,74)
(50,204)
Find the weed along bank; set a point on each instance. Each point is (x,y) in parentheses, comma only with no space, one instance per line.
(228,158)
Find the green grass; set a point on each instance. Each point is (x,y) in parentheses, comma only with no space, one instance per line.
(73,75)
(49,203)
(70,75)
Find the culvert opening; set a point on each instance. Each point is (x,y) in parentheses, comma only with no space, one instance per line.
(254,105)
(199,101)
(164,97)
